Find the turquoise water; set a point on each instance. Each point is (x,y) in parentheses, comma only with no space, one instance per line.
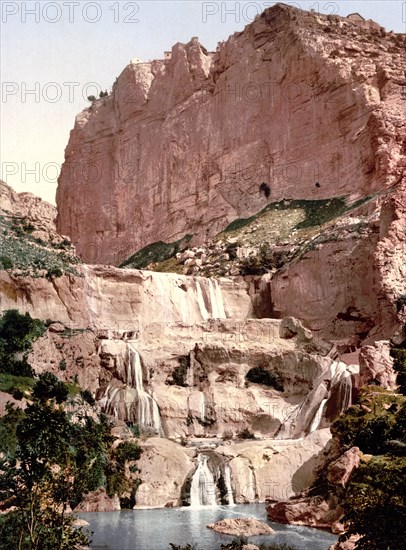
(155,529)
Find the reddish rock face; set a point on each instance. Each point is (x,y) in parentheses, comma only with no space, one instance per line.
(310,105)
(99,501)
(27,205)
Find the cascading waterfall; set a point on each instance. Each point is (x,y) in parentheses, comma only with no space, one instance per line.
(340,377)
(108,402)
(148,411)
(200,300)
(227,481)
(190,377)
(318,416)
(345,392)
(215,299)
(203,488)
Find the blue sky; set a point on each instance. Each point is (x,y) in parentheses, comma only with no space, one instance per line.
(56,49)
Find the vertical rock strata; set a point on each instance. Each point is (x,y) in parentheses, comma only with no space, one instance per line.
(181,146)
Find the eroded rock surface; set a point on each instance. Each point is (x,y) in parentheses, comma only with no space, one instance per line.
(163,154)
(241,527)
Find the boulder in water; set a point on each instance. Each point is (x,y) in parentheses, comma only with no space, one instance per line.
(241,527)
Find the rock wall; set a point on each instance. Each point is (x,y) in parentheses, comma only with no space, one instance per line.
(309,104)
(131,300)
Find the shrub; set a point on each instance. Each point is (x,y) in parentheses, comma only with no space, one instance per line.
(17,333)
(265,189)
(246,434)
(181,547)
(400,302)
(371,423)
(228,435)
(231,250)
(62,365)
(252,266)
(49,387)
(54,272)
(156,252)
(399,365)
(88,397)
(127,451)
(6,262)
(259,375)
(179,373)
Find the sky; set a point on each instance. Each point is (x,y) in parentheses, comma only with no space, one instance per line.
(53,54)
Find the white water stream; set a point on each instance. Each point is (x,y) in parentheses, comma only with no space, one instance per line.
(203,488)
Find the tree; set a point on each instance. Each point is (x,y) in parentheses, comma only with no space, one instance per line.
(375,501)
(50,462)
(49,387)
(39,482)
(17,333)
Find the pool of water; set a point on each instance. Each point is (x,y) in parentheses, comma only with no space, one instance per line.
(155,529)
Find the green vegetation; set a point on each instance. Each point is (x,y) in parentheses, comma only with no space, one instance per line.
(179,374)
(316,212)
(5,262)
(375,500)
(49,463)
(264,261)
(260,375)
(375,503)
(245,434)
(399,364)
(17,386)
(28,255)
(49,387)
(182,547)
(281,233)
(17,334)
(401,302)
(88,397)
(265,189)
(373,422)
(156,252)
(116,481)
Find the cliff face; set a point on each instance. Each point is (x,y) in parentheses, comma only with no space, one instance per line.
(310,105)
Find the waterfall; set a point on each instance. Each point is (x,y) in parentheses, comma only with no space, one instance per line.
(317,417)
(203,409)
(108,400)
(216,300)
(200,300)
(148,411)
(227,480)
(202,489)
(345,392)
(190,378)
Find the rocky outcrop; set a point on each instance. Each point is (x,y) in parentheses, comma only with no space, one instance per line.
(241,527)
(273,469)
(105,298)
(164,467)
(163,154)
(310,511)
(376,365)
(98,501)
(319,511)
(26,205)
